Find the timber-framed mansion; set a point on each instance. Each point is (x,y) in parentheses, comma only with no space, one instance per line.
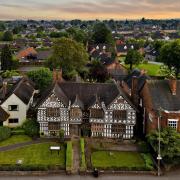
(99,110)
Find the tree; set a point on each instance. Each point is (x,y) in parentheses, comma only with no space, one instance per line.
(133,57)
(69,55)
(31,128)
(170,142)
(170,55)
(42,77)
(77,34)
(7,36)
(6,58)
(2,26)
(98,71)
(102,34)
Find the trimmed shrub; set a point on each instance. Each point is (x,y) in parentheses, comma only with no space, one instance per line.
(31,128)
(83,159)
(18,131)
(5,133)
(69,156)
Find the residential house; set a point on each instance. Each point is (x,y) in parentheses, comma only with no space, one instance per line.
(161,99)
(15,101)
(101,109)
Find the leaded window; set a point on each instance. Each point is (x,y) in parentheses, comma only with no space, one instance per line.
(53,112)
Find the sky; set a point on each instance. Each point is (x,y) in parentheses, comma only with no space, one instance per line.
(89,9)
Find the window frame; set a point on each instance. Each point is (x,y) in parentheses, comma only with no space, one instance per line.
(173,121)
(13,119)
(10,109)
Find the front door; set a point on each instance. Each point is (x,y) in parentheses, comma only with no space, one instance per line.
(74,130)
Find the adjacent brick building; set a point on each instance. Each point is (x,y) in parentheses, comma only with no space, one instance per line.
(164,94)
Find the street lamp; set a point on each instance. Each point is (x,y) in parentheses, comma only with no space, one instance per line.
(159,158)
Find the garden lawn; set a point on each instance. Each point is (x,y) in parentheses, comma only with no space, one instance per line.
(15,139)
(115,160)
(152,69)
(37,154)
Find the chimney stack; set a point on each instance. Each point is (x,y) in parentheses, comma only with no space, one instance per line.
(173,85)
(57,75)
(4,88)
(134,91)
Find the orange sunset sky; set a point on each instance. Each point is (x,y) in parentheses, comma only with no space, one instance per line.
(89,9)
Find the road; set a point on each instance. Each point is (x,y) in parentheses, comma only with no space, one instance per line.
(172,176)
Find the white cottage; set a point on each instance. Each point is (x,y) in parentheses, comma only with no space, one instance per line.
(15,102)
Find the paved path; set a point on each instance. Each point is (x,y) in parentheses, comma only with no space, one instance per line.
(76,156)
(19,145)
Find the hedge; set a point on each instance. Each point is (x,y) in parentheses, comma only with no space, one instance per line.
(148,161)
(5,133)
(69,156)
(82,155)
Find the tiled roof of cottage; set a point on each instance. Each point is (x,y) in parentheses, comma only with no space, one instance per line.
(26,52)
(161,95)
(23,89)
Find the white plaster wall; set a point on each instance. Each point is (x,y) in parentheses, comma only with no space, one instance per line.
(20,114)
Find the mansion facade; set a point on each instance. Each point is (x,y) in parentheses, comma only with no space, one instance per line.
(99,110)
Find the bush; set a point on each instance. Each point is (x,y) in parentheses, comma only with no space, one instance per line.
(5,133)
(31,128)
(83,160)
(148,161)
(69,156)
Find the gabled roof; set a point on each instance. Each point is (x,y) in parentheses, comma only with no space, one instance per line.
(27,52)
(85,94)
(161,95)
(3,115)
(23,89)
(78,102)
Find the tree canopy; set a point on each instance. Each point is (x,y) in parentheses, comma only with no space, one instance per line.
(98,71)
(41,77)
(102,34)
(170,142)
(170,56)
(69,55)
(133,57)
(7,36)
(7,62)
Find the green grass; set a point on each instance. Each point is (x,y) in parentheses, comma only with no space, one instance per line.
(115,160)
(15,139)
(37,154)
(152,69)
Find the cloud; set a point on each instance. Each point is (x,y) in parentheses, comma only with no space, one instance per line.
(91,9)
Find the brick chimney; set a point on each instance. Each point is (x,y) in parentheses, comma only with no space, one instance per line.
(134,91)
(173,85)
(4,88)
(57,75)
